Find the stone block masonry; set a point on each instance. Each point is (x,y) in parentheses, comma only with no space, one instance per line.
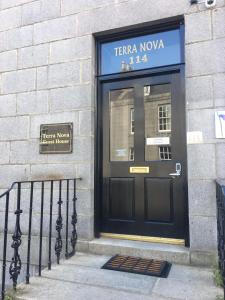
(204,68)
(47,68)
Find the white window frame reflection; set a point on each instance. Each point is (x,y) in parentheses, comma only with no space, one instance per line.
(166,120)
(166,151)
(132,120)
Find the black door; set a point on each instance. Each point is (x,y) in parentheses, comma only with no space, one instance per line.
(144,157)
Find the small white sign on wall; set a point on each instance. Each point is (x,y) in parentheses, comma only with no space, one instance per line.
(220,124)
(158,141)
(121,152)
(194,137)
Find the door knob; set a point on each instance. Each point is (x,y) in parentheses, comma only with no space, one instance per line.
(178,171)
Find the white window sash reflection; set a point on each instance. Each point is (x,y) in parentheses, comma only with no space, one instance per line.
(132,121)
(164,118)
(165,153)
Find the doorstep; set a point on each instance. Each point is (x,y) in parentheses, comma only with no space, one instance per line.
(109,246)
(173,253)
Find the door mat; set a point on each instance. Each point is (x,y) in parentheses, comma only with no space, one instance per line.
(137,265)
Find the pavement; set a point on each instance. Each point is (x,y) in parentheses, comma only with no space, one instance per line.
(81,277)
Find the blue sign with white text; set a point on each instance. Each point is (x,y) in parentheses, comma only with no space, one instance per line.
(143,52)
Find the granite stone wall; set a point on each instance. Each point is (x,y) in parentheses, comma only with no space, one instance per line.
(47,75)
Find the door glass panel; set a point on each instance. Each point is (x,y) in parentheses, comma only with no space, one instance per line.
(157,105)
(122,125)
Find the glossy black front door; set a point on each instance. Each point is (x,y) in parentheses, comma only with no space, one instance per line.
(144,157)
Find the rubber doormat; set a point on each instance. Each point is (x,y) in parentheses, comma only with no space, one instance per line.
(137,265)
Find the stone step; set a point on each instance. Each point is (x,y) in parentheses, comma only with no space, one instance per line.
(51,289)
(81,277)
(106,246)
(93,275)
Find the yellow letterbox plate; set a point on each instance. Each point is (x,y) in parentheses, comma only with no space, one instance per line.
(139,170)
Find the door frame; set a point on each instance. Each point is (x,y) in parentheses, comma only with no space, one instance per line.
(180,69)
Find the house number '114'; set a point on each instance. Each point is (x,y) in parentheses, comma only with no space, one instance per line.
(138,59)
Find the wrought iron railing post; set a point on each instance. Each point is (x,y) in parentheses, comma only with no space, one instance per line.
(5,244)
(223,235)
(74,220)
(29,231)
(220,197)
(59,224)
(15,266)
(41,227)
(50,228)
(67,215)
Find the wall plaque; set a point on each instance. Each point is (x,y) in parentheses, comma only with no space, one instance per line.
(56,138)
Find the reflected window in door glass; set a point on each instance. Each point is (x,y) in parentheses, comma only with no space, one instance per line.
(157,105)
(122,125)
(164,118)
(165,152)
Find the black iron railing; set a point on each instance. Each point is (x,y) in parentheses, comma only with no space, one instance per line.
(220,197)
(45,201)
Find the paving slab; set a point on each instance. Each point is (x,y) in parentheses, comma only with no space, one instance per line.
(81,277)
(190,274)
(106,278)
(192,290)
(49,289)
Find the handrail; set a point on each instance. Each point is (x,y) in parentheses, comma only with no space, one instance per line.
(9,190)
(56,192)
(28,181)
